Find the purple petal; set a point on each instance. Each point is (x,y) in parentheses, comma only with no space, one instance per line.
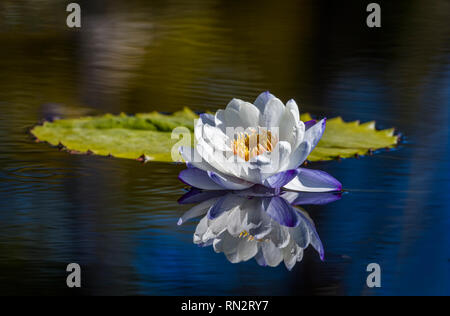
(309,180)
(197,196)
(315,239)
(310,198)
(280,211)
(229,183)
(222,205)
(317,244)
(309,124)
(280,179)
(198,178)
(208,119)
(314,133)
(306,232)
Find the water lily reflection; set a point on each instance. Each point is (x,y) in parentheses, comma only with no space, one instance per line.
(250,224)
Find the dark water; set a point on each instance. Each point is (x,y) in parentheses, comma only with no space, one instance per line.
(117,218)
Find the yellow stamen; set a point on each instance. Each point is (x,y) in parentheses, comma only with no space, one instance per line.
(248,146)
(245,234)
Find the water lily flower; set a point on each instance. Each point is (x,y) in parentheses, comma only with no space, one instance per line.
(263,226)
(263,143)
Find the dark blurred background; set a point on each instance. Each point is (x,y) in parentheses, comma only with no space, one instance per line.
(117,218)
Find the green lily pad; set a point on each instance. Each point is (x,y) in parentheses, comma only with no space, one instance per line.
(148,136)
(349,139)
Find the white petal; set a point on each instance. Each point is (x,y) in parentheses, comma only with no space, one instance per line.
(247,249)
(287,126)
(219,225)
(300,254)
(211,156)
(298,136)
(292,106)
(292,129)
(216,138)
(235,224)
(299,155)
(241,114)
(279,235)
(200,230)
(228,245)
(214,160)
(314,133)
(290,255)
(280,158)
(256,221)
(217,179)
(262,100)
(272,255)
(225,243)
(311,138)
(301,234)
(273,111)
(208,236)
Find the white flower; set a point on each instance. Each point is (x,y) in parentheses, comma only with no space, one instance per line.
(247,144)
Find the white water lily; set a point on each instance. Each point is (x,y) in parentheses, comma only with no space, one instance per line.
(247,144)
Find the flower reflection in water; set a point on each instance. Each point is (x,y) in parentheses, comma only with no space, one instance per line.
(256,224)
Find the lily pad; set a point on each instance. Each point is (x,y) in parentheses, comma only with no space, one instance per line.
(349,139)
(148,135)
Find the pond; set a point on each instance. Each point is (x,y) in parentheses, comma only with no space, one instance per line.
(118,218)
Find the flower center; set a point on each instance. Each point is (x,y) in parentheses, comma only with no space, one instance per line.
(249,145)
